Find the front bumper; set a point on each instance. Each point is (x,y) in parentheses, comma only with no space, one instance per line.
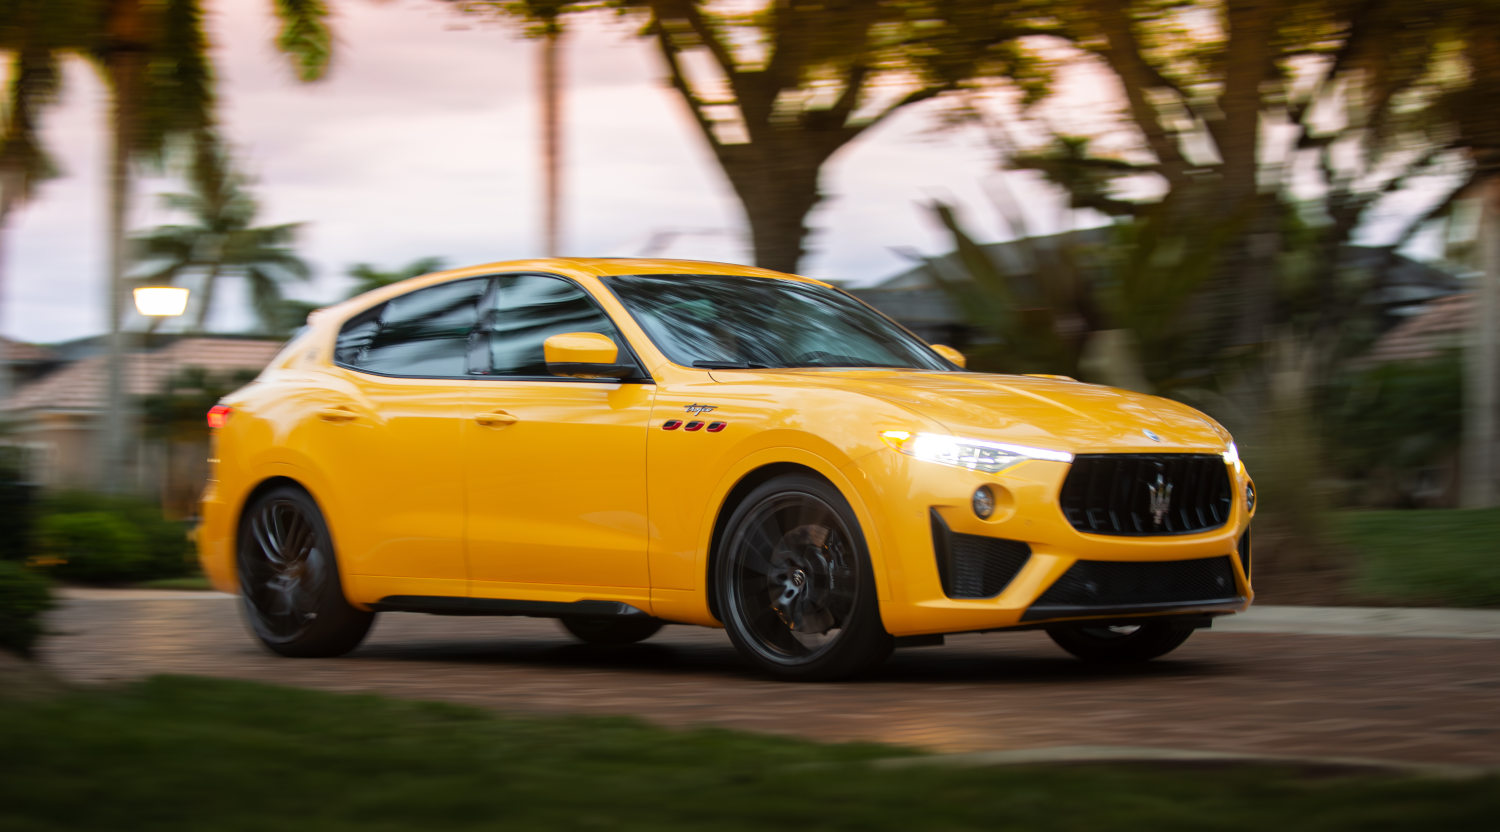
(946,570)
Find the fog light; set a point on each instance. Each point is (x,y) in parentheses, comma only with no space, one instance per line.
(984,502)
(1249,496)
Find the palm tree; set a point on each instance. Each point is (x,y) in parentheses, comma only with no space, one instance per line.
(367,277)
(222,241)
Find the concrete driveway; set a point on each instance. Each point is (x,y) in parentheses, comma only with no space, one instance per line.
(1408,686)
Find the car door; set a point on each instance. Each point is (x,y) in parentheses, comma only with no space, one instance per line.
(388,440)
(555,467)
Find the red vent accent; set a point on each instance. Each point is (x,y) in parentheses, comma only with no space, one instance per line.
(716,427)
(694,426)
(672,424)
(218,415)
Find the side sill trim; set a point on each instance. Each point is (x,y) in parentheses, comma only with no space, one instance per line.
(451,605)
(1040,611)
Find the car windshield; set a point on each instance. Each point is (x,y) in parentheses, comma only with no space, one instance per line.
(724,322)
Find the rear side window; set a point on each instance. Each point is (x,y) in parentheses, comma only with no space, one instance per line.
(526,310)
(421,333)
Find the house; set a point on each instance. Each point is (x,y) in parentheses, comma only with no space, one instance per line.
(56,410)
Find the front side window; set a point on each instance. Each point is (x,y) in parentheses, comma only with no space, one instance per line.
(421,333)
(719,321)
(525,310)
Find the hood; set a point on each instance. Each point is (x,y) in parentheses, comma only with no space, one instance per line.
(1054,413)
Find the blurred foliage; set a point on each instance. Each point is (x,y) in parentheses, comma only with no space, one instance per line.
(17,496)
(222,241)
(1387,423)
(93,547)
(1437,557)
(368,278)
(24,596)
(110,539)
(776,89)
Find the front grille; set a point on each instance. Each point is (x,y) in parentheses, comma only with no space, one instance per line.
(1146,494)
(973,566)
(1122,585)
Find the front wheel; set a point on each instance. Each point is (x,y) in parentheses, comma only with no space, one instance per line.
(794,583)
(289,580)
(1120,643)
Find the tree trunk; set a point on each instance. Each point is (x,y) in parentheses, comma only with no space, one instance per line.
(551,90)
(778,191)
(206,298)
(1482,401)
(8,200)
(124,65)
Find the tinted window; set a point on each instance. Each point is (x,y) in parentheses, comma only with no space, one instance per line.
(526,310)
(723,321)
(423,333)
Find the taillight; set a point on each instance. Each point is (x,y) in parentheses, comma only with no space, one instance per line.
(218,415)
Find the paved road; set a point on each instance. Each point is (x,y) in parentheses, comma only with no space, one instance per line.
(1429,699)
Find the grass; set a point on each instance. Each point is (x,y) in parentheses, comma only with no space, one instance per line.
(1432,557)
(188,753)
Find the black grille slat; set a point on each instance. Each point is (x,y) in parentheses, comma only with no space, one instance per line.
(1110,493)
(1123,584)
(973,566)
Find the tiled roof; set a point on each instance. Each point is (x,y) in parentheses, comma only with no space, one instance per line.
(82,385)
(1440,325)
(20,352)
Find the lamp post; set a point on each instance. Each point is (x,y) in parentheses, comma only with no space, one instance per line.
(160,302)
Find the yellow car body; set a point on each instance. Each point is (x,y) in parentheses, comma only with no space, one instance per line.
(442,494)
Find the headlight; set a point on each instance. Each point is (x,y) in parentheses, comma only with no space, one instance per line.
(974,454)
(1231,454)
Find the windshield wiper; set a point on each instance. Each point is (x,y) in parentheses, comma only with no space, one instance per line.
(728,365)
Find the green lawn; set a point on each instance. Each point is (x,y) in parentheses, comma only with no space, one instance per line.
(1431,557)
(186,753)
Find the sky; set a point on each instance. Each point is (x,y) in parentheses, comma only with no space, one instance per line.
(423,140)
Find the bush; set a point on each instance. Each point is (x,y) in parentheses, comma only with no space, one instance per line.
(24,596)
(168,552)
(94,547)
(16,503)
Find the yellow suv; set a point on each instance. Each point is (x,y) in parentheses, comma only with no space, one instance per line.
(625,443)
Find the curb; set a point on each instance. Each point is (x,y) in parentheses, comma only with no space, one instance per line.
(1088,754)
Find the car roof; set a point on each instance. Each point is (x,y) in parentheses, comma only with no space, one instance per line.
(568,266)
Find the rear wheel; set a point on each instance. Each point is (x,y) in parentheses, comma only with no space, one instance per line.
(794,583)
(610,630)
(1120,643)
(289,581)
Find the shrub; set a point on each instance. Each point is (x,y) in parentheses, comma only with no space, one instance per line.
(94,547)
(24,596)
(16,503)
(168,552)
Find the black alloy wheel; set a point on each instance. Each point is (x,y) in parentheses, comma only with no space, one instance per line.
(1120,643)
(289,581)
(599,630)
(794,583)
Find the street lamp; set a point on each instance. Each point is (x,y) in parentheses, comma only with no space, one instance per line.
(161,301)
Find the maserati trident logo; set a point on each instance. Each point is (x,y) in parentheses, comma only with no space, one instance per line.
(1151,434)
(699,408)
(1159,498)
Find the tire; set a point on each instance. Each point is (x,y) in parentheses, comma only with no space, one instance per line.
(1120,644)
(290,591)
(794,584)
(594,630)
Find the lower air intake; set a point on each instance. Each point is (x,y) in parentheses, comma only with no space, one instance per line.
(1118,586)
(974,566)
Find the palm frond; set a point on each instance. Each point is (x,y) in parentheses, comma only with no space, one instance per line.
(305,36)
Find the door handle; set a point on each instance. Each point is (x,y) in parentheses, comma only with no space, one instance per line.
(337,414)
(495,419)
